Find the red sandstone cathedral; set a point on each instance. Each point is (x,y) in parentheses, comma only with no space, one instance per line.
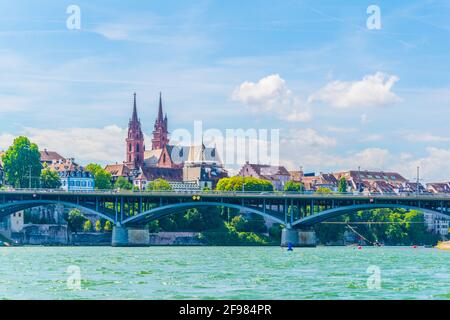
(189,164)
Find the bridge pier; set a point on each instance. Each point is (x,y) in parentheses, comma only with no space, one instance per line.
(119,237)
(130,237)
(298,238)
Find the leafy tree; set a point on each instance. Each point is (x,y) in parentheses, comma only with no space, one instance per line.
(159,185)
(75,220)
(21,160)
(292,186)
(122,183)
(247,183)
(87,226)
(107,227)
(323,190)
(50,179)
(342,187)
(98,226)
(252,224)
(102,177)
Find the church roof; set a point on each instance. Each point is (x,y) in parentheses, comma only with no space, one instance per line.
(151,157)
(118,170)
(153,173)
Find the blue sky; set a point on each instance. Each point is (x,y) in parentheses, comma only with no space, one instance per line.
(343,95)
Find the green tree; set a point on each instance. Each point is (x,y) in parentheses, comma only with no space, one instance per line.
(122,183)
(98,226)
(251,224)
(87,226)
(159,185)
(342,187)
(292,186)
(21,163)
(238,183)
(102,177)
(75,220)
(108,226)
(323,190)
(50,179)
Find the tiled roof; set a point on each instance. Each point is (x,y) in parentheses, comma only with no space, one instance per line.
(49,156)
(66,165)
(268,171)
(118,170)
(153,173)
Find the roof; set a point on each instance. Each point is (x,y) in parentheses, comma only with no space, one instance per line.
(358,176)
(151,157)
(439,187)
(65,165)
(153,173)
(118,170)
(265,171)
(49,156)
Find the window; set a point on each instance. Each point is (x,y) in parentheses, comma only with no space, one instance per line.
(129,148)
(137,148)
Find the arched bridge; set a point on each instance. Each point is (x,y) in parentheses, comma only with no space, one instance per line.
(294,210)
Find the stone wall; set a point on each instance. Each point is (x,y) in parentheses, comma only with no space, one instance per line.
(42,234)
(90,239)
(175,238)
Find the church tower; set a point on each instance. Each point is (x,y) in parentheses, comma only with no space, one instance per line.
(135,141)
(160,133)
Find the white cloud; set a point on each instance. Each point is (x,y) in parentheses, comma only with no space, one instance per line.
(426,137)
(341,129)
(271,95)
(433,167)
(6,140)
(103,145)
(309,138)
(372,90)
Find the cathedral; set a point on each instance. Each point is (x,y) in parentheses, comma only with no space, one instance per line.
(190,165)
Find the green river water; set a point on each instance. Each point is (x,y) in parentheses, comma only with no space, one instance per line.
(223,273)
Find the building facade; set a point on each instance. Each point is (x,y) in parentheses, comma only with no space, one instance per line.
(277,175)
(73,176)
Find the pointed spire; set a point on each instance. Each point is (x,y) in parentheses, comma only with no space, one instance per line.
(160,111)
(134,118)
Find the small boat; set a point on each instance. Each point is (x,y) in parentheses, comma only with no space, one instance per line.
(443,245)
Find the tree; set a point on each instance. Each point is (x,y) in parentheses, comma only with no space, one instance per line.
(102,177)
(87,227)
(50,179)
(98,226)
(292,186)
(159,185)
(75,220)
(323,190)
(107,227)
(342,187)
(238,183)
(21,163)
(122,183)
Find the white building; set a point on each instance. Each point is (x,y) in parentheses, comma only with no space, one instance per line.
(438,224)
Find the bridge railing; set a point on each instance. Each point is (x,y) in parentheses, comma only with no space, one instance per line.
(228,193)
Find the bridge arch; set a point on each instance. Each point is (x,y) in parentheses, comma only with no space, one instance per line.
(335,212)
(160,212)
(9,208)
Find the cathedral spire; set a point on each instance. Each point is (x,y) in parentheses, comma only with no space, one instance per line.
(134,118)
(160,110)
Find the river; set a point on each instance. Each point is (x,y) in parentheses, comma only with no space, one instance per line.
(223,273)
